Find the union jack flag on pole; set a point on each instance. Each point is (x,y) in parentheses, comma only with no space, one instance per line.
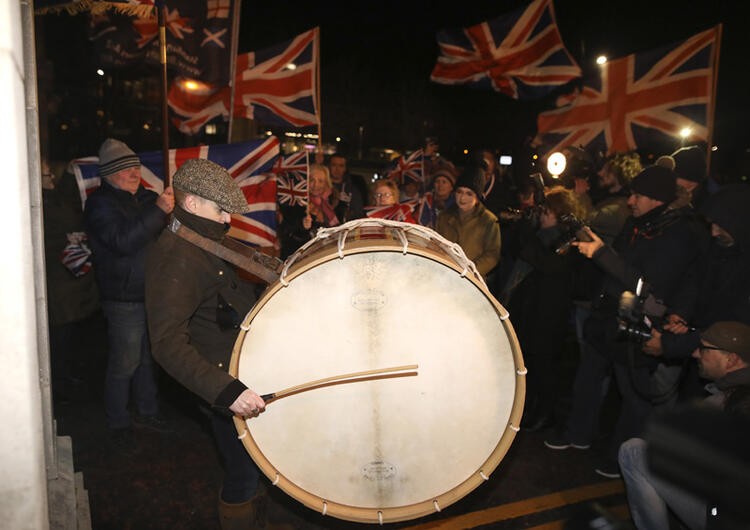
(642,100)
(520,54)
(276,85)
(250,164)
(410,167)
(291,179)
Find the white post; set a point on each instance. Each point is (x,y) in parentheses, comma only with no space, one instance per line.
(23,479)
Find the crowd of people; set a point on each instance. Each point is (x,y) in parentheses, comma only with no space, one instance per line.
(645,265)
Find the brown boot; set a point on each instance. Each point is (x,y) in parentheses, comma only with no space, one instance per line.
(246,515)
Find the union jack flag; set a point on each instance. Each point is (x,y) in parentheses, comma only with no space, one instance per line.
(411,167)
(640,100)
(426,216)
(250,163)
(394,212)
(291,179)
(277,85)
(520,54)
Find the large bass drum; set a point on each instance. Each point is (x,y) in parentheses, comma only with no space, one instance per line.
(367,295)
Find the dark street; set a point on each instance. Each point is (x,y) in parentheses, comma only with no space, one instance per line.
(173,481)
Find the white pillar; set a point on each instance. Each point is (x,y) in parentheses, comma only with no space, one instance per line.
(23,480)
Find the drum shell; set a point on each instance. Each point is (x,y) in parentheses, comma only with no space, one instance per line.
(390,449)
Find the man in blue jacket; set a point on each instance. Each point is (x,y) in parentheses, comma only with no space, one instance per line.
(122,218)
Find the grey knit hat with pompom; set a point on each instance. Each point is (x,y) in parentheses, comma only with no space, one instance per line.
(209,180)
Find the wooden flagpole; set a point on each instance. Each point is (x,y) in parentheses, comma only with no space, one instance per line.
(233,63)
(317,89)
(161,14)
(712,106)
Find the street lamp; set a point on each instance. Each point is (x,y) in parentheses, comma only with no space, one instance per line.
(556,164)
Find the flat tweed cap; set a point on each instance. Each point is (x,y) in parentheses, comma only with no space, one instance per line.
(114,156)
(731,337)
(209,180)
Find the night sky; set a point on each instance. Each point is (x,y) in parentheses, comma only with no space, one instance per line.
(376,59)
(377,55)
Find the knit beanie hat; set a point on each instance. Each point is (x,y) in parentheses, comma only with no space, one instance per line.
(445,173)
(114,156)
(209,180)
(690,163)
(731,337)
(472,178)
(656,182)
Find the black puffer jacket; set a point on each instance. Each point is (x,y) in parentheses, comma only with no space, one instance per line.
(120,225)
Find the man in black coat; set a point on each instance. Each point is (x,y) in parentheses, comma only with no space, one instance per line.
(122,218)
(657,247)
(196,302)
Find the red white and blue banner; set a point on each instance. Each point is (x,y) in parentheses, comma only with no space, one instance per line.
(250,164)
(520,54)
(291,179)
(639,101)
(408,168)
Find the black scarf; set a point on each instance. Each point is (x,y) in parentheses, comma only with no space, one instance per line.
(201,225)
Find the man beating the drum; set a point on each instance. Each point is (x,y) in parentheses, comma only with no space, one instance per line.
(195,302)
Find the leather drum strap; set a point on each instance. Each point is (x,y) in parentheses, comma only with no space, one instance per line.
(261,265)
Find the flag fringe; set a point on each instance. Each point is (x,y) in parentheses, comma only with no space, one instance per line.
(97,7)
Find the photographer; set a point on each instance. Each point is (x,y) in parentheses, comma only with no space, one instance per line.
(724,286)
(657,244)
(542,295)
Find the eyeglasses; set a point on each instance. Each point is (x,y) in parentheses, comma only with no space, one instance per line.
(703,348)
(387,194)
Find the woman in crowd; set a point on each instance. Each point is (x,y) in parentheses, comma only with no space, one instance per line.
(470,224)
(386,206)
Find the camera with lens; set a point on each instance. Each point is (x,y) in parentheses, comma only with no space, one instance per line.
(638,313)
(531,214)
(573,229)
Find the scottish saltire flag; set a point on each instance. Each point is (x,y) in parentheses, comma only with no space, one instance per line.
(640,101)
(198,37)
(410,167)
(250,163)
(395,212)
(520,54)
(291,179)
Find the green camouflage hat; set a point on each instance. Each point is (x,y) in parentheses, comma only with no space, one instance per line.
(211,181)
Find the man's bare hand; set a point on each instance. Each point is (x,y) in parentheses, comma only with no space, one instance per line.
(248,404)
(653,345)
(166,200)
(589,248)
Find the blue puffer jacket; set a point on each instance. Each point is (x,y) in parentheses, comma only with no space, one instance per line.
(120,226)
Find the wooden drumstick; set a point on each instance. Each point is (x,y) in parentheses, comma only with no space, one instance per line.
(367,375)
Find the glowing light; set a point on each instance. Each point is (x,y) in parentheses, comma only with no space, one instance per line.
(602,59)
(556,164)
(99,71)
(714,148)
(291,66)
(195,86)
(466,151)
(338,138)
(210,128)
(535,157)
(686,132)
(146,127)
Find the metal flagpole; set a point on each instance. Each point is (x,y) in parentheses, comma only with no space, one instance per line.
(233,63)
(161,15)
(712,105)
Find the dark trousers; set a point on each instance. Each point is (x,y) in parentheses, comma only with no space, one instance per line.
(240,472)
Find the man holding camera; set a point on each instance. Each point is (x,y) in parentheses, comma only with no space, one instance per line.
(658,245)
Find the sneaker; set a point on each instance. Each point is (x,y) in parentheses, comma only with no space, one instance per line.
(608,470)
(153,423)
(559,443)
(123,442)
